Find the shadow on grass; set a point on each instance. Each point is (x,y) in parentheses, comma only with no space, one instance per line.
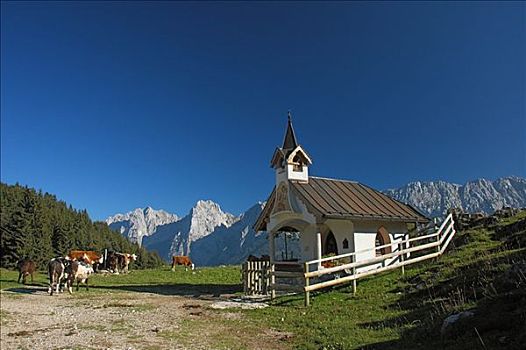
(201,291)
(500,308)
(28,288)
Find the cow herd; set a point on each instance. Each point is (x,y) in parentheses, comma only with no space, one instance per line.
(76,267)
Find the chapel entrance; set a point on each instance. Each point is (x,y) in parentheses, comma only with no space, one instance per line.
(331,247)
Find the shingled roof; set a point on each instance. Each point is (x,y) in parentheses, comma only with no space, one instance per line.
(342,199)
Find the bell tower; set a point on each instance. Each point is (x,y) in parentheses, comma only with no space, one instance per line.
(290,161)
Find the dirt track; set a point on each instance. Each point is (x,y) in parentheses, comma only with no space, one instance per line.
(31,319)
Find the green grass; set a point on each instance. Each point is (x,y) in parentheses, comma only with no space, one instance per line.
(218,280)
(389,311)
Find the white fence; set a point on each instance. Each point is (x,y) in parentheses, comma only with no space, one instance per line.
(410,251)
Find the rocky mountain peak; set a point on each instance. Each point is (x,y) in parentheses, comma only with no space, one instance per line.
(206,215)
(140,222)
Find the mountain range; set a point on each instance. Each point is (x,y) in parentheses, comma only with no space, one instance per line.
(434,198)
(213,237)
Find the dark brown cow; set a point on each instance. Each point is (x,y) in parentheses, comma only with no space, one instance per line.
(26,267)
(119,262)
(182,260)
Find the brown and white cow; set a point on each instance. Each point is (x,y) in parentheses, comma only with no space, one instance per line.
(119,262)
(182,260)
(79,272)
(124,260)
(26,267)
(87,256)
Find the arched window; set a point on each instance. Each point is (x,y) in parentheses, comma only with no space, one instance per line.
(330,245)
(345,244)
(382,238)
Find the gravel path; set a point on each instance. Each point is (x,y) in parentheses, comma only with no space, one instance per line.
(31,319)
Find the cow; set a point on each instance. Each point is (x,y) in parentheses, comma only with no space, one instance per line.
(87,256)
(119,262)
(112,262)
(125,260)
(26,267)
(57,273)
(182,260)
(79,272)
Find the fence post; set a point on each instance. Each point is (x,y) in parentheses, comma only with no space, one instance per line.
(267,278)
(400,248)
(353,260)
(259,278)
(245,278)
(272,281)
(307,293)
(250,277)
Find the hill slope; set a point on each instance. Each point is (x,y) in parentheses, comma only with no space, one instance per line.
(482,274)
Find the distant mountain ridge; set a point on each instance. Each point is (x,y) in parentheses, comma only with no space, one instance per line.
(434,198)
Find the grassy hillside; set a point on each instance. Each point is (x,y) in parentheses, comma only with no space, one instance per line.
(483,271)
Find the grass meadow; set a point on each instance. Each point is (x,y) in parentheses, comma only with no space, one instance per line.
(389,311)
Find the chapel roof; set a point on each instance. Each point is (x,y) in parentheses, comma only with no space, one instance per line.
(343,199)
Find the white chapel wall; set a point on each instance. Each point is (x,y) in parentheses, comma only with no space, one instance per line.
(365,237)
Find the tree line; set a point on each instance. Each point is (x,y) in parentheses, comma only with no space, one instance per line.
(36,225)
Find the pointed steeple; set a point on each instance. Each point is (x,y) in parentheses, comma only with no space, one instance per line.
(290,139)
(291,162)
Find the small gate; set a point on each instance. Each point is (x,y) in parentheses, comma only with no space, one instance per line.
(256,277)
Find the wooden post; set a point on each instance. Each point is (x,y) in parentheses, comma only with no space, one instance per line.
(272,281)
(318,248)
(251,271)
(271,247)
(353,260)
(259,277)
(400,248)
(307,293)
(244,276)
(266,268)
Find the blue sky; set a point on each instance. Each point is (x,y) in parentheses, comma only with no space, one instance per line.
(113,106)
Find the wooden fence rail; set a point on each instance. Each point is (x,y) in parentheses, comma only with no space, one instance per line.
(401,257)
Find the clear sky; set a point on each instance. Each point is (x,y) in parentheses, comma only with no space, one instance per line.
(116,105)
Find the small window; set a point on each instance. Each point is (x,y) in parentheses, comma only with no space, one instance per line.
(345,244)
